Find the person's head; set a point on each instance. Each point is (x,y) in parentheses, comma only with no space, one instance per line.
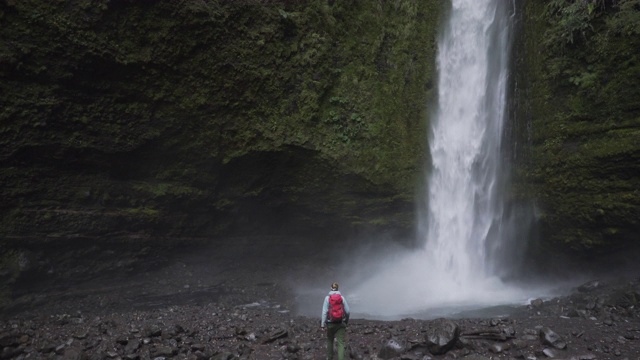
(334,286)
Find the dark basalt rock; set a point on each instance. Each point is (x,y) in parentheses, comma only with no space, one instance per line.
(247,320)
(442,336)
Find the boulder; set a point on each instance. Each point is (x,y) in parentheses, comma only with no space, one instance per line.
(442,336)
(549,337)
(391,349)
(537,303)
(590,286)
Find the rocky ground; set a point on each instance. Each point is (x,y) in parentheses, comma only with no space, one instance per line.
(216,307)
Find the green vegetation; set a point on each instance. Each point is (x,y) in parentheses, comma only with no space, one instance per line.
(582,70)
(199,118)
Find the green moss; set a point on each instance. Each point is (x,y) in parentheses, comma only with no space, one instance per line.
(182,118)
(582,167)
(164,189)
(143,211)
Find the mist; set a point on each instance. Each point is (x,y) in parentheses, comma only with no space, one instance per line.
(387,281)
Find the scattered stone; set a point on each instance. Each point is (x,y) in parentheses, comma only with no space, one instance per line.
(153,331)
(441,336)
(498,348)
(549,337)
(586,357)
(537,303)
(590,286)
(132,346)
(275,335)
(219,328)
(550,352)
(223,356)
(163,351)
(475,357)
(10,352)
(391,348)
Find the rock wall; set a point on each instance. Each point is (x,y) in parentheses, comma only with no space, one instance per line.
(150,124)
(579,102)
(189,118)
(135,122)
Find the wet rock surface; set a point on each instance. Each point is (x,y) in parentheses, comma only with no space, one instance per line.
(215,309)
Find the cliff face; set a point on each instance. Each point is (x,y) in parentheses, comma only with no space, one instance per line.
(152,122)
(138,121)
(197,118)
(580,99)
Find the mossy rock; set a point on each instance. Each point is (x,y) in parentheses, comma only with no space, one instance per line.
(579,95)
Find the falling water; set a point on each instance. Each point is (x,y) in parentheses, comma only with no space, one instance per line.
(462,229)
(464,202)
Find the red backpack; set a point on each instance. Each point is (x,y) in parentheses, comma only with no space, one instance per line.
(336,308)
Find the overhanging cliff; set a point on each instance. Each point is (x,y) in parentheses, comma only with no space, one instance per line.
(146,123)
(198,118)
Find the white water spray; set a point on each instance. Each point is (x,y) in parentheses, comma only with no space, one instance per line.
(464,202)
(459,264)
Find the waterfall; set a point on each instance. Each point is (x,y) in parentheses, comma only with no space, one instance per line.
(462,230)
(469,240)
(464,205)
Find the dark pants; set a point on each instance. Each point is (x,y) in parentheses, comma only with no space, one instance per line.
(335,330)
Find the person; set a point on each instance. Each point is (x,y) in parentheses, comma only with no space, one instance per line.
(336,328)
